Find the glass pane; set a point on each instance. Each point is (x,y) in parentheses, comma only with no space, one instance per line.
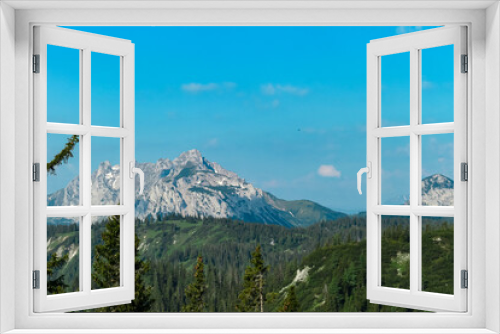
(105,252)
(437,170)
(395,89)
(395,166)
(105,90)
(437,254)
(63,170)
(396,252)
(105,171)
(63,264)
(437,84)
(63,85)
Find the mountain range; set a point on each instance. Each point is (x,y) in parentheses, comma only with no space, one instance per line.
(190,185)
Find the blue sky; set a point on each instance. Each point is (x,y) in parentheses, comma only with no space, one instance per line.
(284,107)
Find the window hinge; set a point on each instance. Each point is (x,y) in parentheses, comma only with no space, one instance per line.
(464,167)
(36,63)
(36,172)
(465,64)
(465,279)
(36,279)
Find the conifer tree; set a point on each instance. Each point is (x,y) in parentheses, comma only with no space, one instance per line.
(56,284)
(106,271)
(291,303)
(196,290)
(106,266)
(252,297)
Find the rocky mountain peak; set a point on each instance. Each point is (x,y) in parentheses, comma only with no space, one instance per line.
(104,165)
(437,190)
(436,181)
(191,185)
(191,157)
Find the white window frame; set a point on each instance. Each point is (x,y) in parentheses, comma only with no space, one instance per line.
(483,148)
(413,43)
(84,297)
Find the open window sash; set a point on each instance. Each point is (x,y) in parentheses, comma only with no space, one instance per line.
(415,297)
(85,297)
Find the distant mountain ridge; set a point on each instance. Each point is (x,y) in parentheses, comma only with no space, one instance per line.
(437,190)
(190,185)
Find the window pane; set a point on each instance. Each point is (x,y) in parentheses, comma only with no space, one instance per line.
(63,264)
(63,85)
(105,171)
(63,170)
(105,252)
(105,90)
(437,254)
(437,170)
(395,166)
(395,89)
(396,252)
(437,84)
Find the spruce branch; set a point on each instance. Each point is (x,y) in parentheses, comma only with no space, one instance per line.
(64,155)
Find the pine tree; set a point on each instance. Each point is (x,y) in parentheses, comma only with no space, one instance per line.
(106,271)
(196,290)
(56,284)
(143,299)
(291,303)
(252,297)
(64,155)
(106,266)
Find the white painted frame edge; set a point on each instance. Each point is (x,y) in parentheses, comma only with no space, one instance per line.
(7,170)
(86,43)
(279,17)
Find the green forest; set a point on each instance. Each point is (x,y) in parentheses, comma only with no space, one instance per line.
(223,265)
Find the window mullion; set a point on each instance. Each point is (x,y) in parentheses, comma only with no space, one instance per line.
(86,118)
(414,171)
(85,168)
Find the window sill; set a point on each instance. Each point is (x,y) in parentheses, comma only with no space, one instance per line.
(250,331)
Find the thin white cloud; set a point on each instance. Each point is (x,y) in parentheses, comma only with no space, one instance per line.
(405,29)
(427,84)
(328,171)
(402,150)
(212,143)
(268,89)
(229,85)
(171,114)
(267,104)
(271,89)
(293,90)
(195,87)
(271,183)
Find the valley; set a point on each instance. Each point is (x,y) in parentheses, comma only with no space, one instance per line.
(325,261)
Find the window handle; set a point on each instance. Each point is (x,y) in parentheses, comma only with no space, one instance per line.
(138,171)
(368,171)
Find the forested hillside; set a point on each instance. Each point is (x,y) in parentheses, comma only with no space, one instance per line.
(325,262)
